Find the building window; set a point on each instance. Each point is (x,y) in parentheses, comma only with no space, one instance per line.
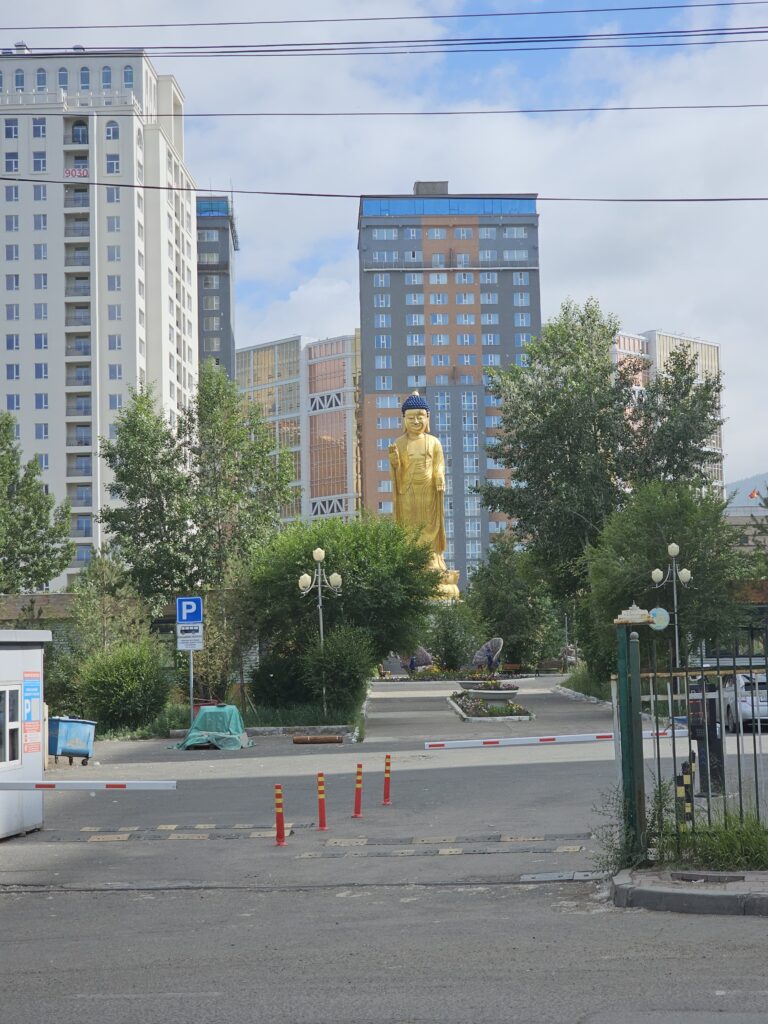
(462,233)
(113,253)
(12,371)
(41,400)
(466,339)
(387,402)
(464,277)
(42,460)
(211,281)
(465,319)
(489,318)
(106,78)
(417,381)
(522,338)
(128,77)
(488,255)
(12,342)
(491,339)
(41,341)
(440,339)
(113,224)
(41,371)
(13,402)
(414,298)
(11,251)
(11,127)
(12,282)
(467,359)
(384,234)
(441,359)
(112,131)
(489,298)
(382,319)
(436,233)
(38,128)
(382,341)
(438,259)
(12,164)
(486,232)
(18,80)
(520,277)
(415,340)
(40,221)
(439,319)
(85,79)
(412,278)
(515,255)
(114,283)
(212,302)
(491,359)
(515,232)
(438,298)
(416,360)
(41,310)
(414,233)
(114,312)
(115,402)
(438,278)
(11,193)
(521,299)
(522,319)
(41,282)
(465,298)
(413,256)
(63,79)
(41,431)
(115,371)
(113,193)
(383,362)
(12,311)
(383,383)
(113,163)
(414,319)
(382,300)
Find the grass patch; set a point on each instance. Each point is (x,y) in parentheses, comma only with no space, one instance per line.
(728,844)
(175,716)
(583,682)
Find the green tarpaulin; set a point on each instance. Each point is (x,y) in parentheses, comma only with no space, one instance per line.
(220,726)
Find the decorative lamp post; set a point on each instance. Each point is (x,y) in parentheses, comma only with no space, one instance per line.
(674,574)
(317,581)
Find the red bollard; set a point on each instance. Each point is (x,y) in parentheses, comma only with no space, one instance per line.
(358,812)
(279,816)
(387,773)
(322,827)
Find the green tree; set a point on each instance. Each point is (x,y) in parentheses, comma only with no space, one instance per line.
(509,595)
(337,671)
(386,590)
(455,632)
(125,686)
(108,609)
(192,499)
(34,532)
(152,520)
(578,436)
(675,421)
(565,437)
(634,542)
(238,484)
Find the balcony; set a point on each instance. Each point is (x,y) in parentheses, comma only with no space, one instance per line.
(78,347)
(82,531)
(78,258)
(80,439)
(80,407)
(77,228)
(77,201)
(80,318)
(80,289)
(79,465)
(76,137)
(80,379)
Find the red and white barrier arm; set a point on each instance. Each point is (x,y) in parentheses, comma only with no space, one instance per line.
(87,786)
(536,741)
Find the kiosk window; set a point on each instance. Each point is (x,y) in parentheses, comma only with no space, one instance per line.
(9,724)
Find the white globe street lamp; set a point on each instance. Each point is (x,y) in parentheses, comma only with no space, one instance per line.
(319,581)
(674,574)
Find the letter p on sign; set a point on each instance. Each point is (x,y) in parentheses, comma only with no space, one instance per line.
(189,609)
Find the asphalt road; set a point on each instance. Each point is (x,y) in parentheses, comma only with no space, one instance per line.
(466,900)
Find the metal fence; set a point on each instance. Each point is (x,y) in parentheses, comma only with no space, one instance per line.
(714,757)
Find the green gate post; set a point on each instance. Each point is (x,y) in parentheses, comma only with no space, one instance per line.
(631,730)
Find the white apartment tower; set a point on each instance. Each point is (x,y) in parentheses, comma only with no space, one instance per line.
(99,276)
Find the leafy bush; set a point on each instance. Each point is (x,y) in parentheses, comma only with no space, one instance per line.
(582,680)
(124,687)
(278,681)
(338,673)
(455,633)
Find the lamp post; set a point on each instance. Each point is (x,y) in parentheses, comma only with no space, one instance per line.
(673,573)
(317,581)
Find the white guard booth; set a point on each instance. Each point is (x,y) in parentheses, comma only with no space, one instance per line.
(22,757)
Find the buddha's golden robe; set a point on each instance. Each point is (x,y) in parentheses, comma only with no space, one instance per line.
(418,482)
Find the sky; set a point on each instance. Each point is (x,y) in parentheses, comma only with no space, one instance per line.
(696,268)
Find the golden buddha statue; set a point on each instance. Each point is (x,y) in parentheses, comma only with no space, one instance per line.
(417,467)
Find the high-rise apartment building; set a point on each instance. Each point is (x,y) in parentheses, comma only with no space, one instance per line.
(217,243)
(449,288)
(307,391)
(99,272)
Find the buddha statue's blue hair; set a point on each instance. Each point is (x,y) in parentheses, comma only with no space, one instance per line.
(414,401)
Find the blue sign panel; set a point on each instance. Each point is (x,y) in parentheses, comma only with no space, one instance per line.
(189,609)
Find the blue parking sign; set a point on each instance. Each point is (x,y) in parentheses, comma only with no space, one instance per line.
(189,609)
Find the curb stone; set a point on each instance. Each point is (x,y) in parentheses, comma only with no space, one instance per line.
(629,893)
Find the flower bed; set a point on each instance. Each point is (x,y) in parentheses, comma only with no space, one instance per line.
(476,707)
(491,686)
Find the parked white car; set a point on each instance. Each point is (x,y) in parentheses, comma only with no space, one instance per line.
(746,700)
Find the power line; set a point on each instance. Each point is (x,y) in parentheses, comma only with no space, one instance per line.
(112,114)
(356,195)
(380,18)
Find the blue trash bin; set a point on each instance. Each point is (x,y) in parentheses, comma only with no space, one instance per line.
(71,737)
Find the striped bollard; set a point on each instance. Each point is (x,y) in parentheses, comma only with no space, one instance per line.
(279,816)
(358,812)
(321,825)
(387,778)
